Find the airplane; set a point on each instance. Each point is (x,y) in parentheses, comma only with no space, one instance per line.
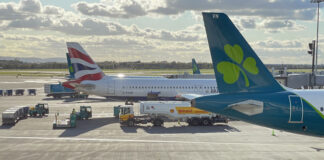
(248,91)
(195,68)
(70,67)
(90,79)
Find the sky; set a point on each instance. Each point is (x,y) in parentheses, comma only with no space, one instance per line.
(156,30)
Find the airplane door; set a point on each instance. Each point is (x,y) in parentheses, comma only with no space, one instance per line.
(296,109)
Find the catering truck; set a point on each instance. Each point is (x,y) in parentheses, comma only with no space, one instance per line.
(157,112)
(59,91)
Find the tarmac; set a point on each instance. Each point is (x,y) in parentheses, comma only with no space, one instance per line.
(103,138)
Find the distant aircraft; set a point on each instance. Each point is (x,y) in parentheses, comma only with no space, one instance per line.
(195,68)
(247,90)
(90,79)
(70,67)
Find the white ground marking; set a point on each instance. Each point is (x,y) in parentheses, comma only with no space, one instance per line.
(139,141)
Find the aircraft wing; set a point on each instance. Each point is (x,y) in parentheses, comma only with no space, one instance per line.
(188,97)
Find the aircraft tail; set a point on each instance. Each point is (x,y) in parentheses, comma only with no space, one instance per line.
(83,66)
(237,67)
(195,68)
(70,66)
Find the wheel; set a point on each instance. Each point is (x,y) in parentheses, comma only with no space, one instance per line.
(130,123)
(195,122)
(206,122)
(157,122)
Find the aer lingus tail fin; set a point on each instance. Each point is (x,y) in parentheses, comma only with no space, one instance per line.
(70,66)
(237,67)
(195,68)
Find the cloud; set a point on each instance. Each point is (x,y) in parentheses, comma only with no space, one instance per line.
(119,9)
(282,9)
(31,22)
(33,6)
(53,10)
(280,44)
(248,23)
(275,26)
(9,11)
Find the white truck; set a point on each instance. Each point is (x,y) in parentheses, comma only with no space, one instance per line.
(157,112)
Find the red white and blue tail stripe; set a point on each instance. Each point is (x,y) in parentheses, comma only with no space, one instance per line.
(84,67)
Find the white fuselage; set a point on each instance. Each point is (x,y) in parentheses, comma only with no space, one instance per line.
(115,87)
(313,96)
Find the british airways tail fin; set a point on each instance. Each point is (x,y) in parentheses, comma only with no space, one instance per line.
(84,67)
(70,67)
(237,67)
(195,68)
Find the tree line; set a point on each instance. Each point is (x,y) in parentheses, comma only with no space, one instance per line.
(16,64)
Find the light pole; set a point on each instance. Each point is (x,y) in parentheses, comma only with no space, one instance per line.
(318,3)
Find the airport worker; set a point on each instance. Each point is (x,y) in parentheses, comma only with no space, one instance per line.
(73,111)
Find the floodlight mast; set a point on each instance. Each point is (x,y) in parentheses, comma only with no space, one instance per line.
(318,3)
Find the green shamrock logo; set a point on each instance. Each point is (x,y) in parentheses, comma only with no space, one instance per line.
(231,71)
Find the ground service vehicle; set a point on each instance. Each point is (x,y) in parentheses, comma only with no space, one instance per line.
(12,115)
(66,123)
(32,92)
(179,111)
(59,91)
(157,112)
(19,92)
(128,118)
(85,113)
(40,109)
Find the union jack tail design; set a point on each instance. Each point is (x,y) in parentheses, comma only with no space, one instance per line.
(84,67)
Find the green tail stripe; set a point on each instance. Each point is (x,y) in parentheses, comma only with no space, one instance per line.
(318,112)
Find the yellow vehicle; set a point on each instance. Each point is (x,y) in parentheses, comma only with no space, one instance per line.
(126,113)
(127,117)
(157,112)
